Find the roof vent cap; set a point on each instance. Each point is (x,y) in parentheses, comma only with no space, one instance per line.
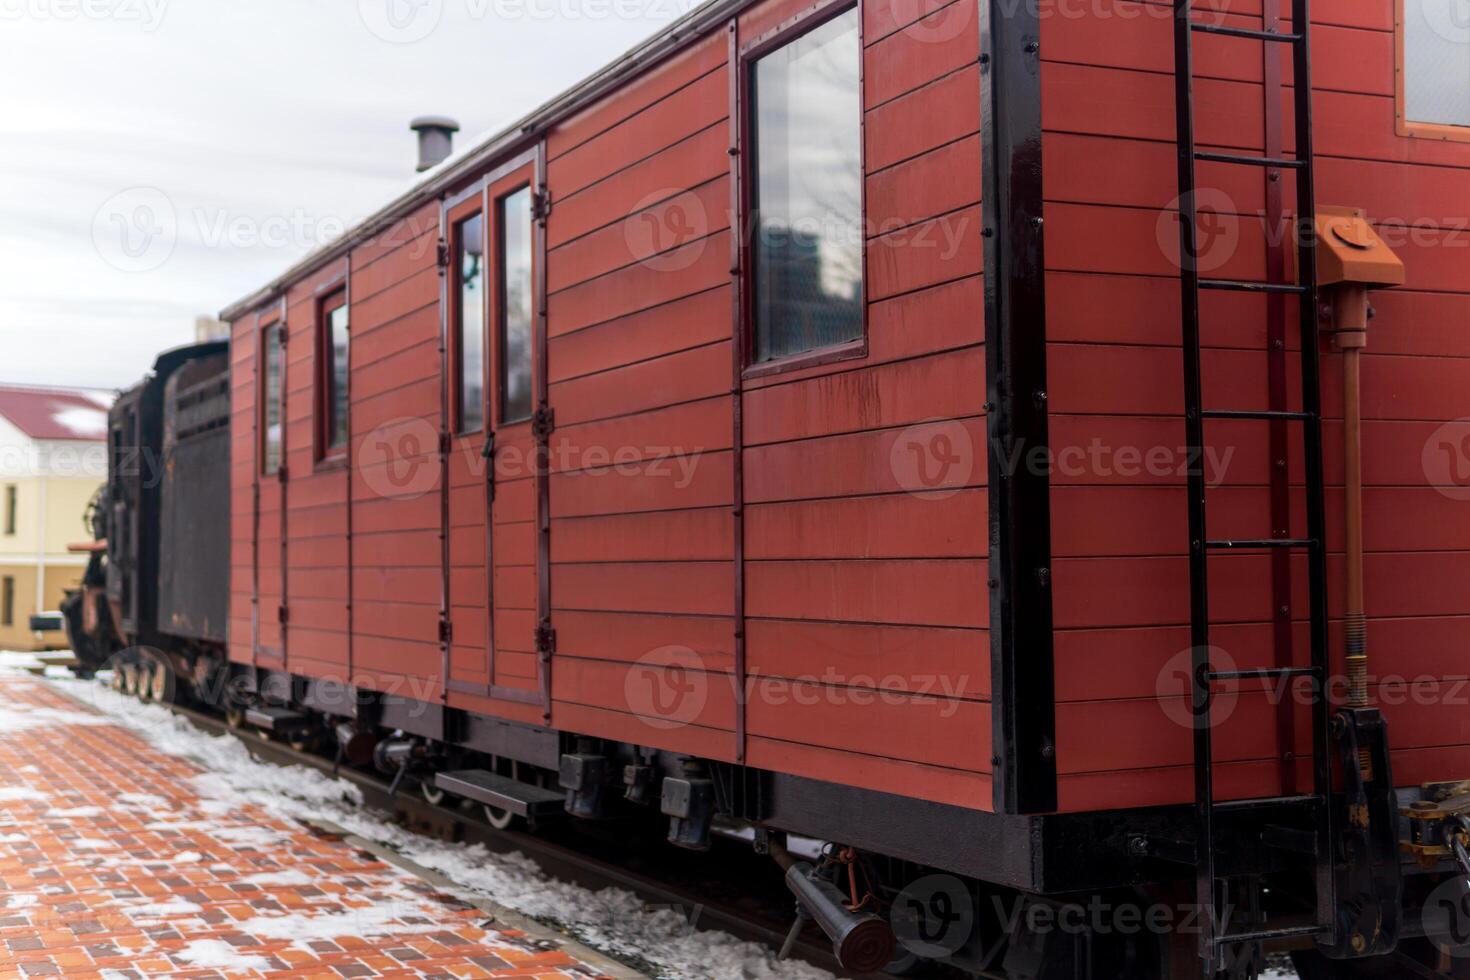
(436,139)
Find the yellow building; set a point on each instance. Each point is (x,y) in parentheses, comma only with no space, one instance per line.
(53,457)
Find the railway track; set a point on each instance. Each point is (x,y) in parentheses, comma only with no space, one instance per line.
(718,890)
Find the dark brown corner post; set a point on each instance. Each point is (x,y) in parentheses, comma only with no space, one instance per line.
(1022,670)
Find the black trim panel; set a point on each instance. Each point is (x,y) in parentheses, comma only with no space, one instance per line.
(1022,669)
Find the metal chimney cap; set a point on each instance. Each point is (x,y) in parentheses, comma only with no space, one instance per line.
(434,122)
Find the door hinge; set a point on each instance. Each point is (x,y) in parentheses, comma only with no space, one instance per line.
(283,615)
(281,473)
(446,629)
(543,422)
(444,443)
(541,204)
(442,256)
(545,638)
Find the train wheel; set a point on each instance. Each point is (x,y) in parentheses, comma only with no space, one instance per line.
(160,684)
(131,679)
(433,794)
(234,714)
(498,818)
(145,672)
(119,681)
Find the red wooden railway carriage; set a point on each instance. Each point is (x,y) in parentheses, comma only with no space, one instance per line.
(810,419)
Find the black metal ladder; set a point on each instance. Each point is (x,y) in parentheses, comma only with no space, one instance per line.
(1214,939)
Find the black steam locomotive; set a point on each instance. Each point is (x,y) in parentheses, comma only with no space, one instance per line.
(153,602)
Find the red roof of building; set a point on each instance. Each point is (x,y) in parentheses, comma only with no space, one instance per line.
(57,413)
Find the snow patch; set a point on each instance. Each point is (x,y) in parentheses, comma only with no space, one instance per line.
(216,954)
(84,423)
(9,794)
(613,920)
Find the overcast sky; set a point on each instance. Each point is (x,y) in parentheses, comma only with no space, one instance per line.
(160,159)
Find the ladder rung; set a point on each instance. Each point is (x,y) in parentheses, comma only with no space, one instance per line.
(1238,543)
(1270,935)
(1237,413)
(1261,673)
(1245,32)
(1241,286)
(1265,803)
(1250,161)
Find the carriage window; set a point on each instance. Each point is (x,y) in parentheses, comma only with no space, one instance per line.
(807,192)
(515,306)
(10,504)
(271,402)
(332,383)
(1435,39)
(7,601)
(469,272)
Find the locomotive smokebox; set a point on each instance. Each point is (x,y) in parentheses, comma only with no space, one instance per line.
(436,139)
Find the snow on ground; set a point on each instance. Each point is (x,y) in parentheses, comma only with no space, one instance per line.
(612,920)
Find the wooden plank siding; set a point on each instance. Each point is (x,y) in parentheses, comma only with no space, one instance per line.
(842,520)
(1119,534)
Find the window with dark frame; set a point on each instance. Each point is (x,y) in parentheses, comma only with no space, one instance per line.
(332,381)
(270,412)
(11,504)
(7,601)
(1434,70)
(515,309)
(469,321)
(806,191)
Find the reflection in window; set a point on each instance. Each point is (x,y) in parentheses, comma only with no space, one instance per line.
(807,194)
(1436,63)
(271,409)
(334,377)
(515,306)
(469,264)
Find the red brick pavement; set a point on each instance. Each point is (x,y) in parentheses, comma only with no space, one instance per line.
(111,867)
